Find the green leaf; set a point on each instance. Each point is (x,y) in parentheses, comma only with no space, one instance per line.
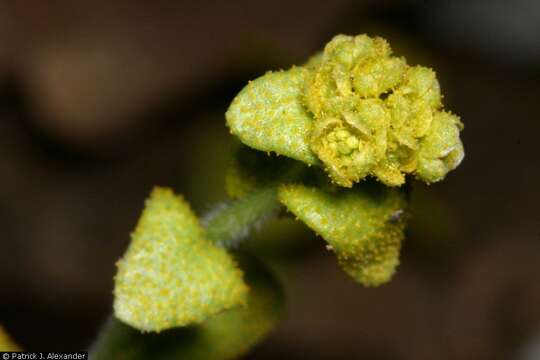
(268,115)
(171,275)
(227,335)
(363,225)
(6,343)
(234,332)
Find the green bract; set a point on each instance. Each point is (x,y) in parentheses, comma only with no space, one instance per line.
(232,333)
(355,108)
(268,115)
(227,335)
(171,275)
(364,227)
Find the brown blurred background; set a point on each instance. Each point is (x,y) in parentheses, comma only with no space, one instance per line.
(100,100)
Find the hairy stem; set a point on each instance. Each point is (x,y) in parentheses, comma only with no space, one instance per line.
(231,222)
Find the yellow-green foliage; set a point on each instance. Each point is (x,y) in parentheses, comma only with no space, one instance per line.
(6,343)
(356,108)
(364,227)
(268,115)
(227,335)
(171,275)
(232,333)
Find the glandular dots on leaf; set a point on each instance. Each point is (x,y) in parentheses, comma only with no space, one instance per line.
(363,226)
(171,275)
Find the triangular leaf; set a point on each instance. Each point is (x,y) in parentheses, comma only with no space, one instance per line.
(227,335)
(232,333)
(363,226)
(171,275)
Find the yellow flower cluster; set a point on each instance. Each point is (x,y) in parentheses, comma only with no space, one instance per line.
(355,108)
(375,115)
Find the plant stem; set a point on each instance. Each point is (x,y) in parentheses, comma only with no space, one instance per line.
(231,222)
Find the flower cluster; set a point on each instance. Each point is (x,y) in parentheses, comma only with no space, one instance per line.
(358,110)
(355,111)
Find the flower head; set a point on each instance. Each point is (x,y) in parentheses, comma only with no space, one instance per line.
(356,109)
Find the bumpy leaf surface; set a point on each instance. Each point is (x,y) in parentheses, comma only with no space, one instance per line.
(358,109)
(268,115)
(171,275)
(227,335)
(363,226)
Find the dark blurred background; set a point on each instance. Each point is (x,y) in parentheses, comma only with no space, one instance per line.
(101,100)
